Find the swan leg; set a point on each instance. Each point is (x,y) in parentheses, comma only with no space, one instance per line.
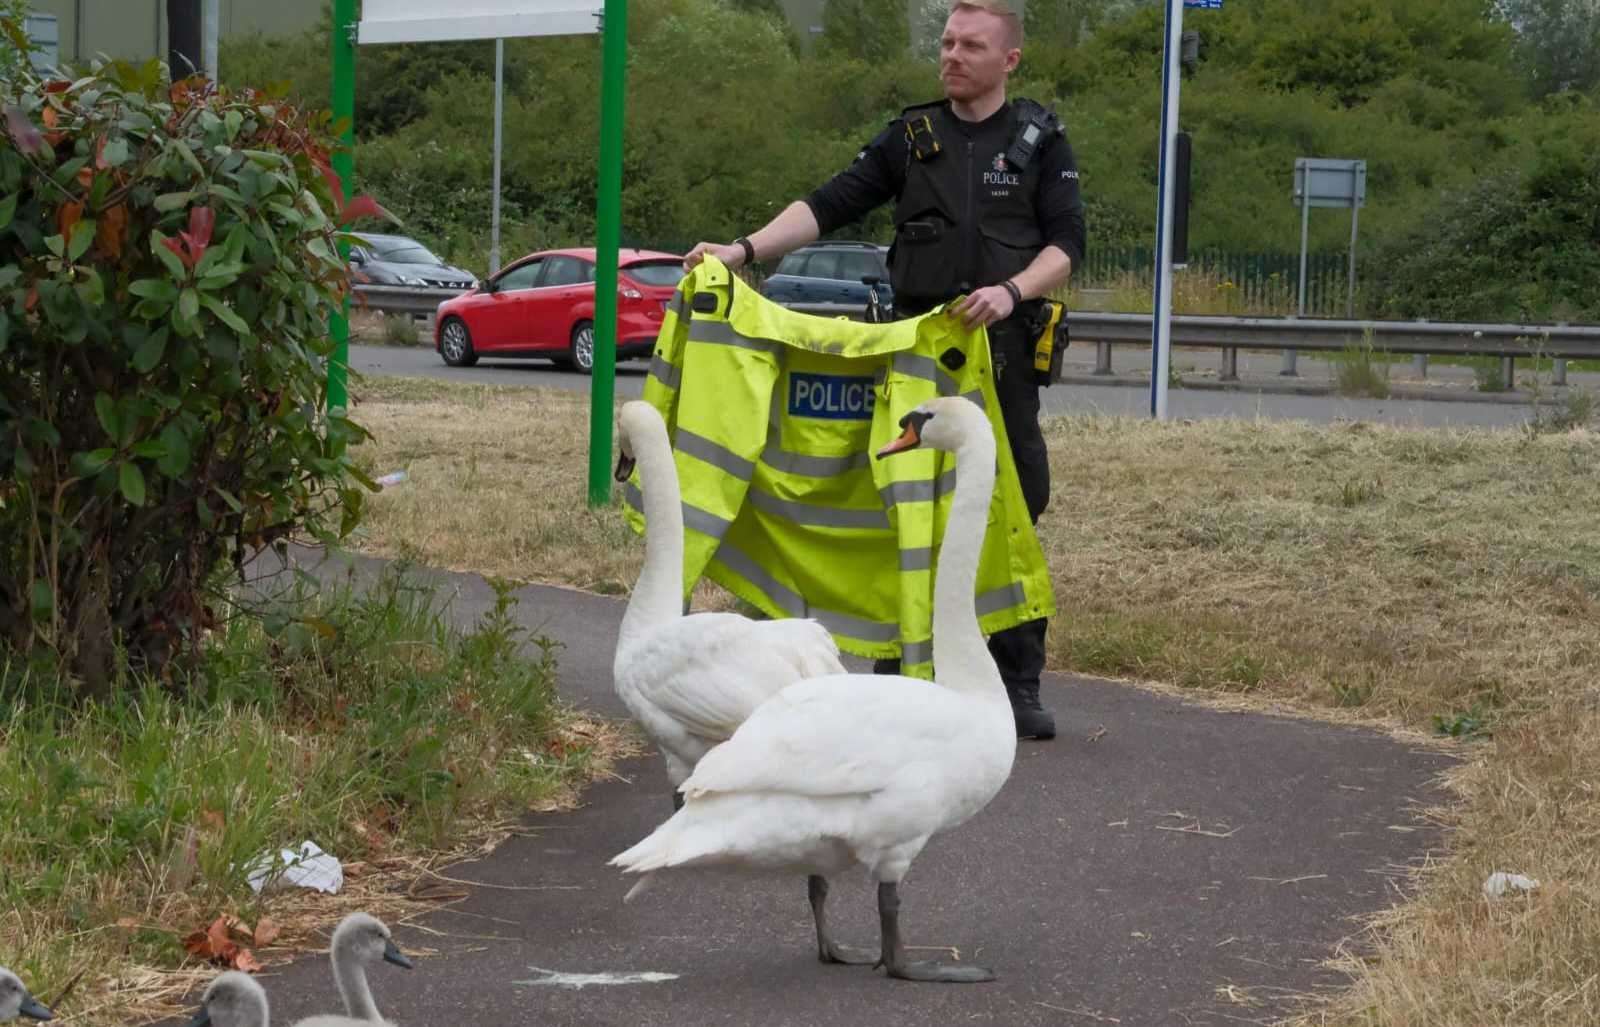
(894,950)
(828,950)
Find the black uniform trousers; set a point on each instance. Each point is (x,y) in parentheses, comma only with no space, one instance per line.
(1019,651)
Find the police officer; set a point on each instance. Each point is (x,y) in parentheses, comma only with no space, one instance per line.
(987,211)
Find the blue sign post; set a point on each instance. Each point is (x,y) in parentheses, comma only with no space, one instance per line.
(1161,331)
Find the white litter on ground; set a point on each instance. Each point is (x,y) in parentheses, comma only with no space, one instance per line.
(309,867)
(1501,882)
(559,979)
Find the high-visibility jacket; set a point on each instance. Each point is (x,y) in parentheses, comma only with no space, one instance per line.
(775,416)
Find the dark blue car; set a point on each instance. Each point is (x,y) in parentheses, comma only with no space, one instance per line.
(832,272)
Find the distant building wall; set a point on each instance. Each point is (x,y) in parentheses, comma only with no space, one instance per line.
(136,30)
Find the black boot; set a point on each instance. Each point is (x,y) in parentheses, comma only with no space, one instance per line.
(1019,654)
(1033,720)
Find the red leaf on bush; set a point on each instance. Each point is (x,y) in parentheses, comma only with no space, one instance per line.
(198,237)
(59,85)
(86,176)
(67,218)
(32,300)
(110,231)
(100,152)
(177,248)
(363,206)
(23,131)
(334,185)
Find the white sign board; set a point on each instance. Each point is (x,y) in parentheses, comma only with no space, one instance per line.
(438,21)
(1334,183)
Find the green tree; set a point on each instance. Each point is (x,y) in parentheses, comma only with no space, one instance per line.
(1522,243)
(873,30)
(1558,43)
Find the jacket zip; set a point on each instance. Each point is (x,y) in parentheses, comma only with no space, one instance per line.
(970,228)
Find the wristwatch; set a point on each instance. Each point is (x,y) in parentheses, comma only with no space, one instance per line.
(749,250)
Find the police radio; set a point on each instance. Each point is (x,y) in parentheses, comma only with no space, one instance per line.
(1038,126)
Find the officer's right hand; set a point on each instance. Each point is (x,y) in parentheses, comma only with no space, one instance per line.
(731,255)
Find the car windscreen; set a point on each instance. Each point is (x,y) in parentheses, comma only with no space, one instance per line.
(404,253)
(666,272)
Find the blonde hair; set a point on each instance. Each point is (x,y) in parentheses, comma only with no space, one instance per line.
(1005,10)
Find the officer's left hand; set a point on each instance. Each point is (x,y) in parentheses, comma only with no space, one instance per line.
(985,306)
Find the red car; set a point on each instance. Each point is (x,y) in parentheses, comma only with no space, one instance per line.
(543,306)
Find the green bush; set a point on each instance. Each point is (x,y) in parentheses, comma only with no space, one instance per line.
(1520,244)
(169,268)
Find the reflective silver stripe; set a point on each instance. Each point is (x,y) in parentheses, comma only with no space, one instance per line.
(812,466)
(916,366)
(667,374)
(976,395)
(721,333)
(1001,598)
(817,516)
(923,491)
(678,305)
(702,448)
(703,521)
(916,652)
(919,559)
(795,605)
(927,369)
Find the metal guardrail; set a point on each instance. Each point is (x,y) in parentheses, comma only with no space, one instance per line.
(401,299)
(1509,342)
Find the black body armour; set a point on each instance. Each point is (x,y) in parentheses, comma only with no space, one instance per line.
(967,217)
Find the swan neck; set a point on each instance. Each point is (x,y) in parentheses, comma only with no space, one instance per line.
(351,977)
(961,659)
(658,594)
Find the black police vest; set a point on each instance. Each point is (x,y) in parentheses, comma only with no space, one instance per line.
(966,217)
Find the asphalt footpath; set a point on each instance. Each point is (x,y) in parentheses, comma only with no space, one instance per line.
(1159,862)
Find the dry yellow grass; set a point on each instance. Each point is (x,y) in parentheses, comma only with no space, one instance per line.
(497,484)
(1418,579)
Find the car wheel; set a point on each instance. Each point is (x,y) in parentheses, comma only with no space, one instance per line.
(455,344)
(581,353)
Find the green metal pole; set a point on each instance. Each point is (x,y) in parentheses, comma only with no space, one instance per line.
(613,79)
(344,165)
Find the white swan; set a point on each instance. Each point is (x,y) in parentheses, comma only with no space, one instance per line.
(15,1000)
(359,940)
(691,680)
(233,999)
(862,770)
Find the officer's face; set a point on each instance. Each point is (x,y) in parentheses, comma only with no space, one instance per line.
(975,55)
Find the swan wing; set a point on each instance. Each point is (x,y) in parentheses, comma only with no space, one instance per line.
(846,734)
(708,672)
